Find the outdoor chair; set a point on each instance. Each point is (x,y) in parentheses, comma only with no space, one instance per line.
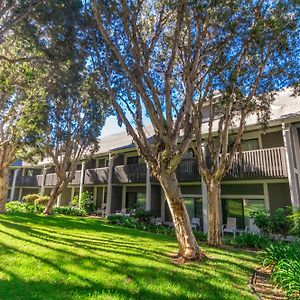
(195,223)
(252,228)
(102,211)
(230,227)
(157,221)
(169,224)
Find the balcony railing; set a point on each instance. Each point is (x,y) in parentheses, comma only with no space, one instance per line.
(27,181)
(259,163)
(96,176)
(188,170)
(130,173)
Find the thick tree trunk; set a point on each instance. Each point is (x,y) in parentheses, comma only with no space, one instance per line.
(4,182)
(214,225)
(56,191)
(188,246)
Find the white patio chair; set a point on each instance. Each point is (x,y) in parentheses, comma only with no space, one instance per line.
(157,221)
(230,227)
(169,224)
(102,211)
(252,228)
(195,223)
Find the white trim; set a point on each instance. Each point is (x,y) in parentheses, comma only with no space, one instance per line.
(243,196)
(124,196)
(255,181)
(267,200)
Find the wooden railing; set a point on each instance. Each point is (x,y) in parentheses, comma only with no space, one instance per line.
(27,181)
(130,173)
(96,176)
(259,163)
(188,170)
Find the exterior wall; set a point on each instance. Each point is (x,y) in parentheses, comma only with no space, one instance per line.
(272,139)
(279,195)
(191,189)
(242,189)
(156,200)
(119,160)
(27,191)
(99,198)
(66,197)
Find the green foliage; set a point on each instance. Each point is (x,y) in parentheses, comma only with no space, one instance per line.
(70,211)
(36,199)
(23,207)
(286,275)
(279,223)
(295,218)
(142,215)
(285,259)
(86,202)
(248,240)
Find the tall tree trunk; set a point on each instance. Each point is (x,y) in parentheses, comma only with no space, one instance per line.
(4,182)
(214,225)
(188,246)
(56,191)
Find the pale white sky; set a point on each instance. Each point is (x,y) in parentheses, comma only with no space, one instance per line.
(111,126)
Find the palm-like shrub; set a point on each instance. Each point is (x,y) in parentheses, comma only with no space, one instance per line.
(287,275)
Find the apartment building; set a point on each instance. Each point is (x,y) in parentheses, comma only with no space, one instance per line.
(267,176)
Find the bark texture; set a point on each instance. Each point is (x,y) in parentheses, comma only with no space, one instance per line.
(4,182)
(56,191)
(188,246)
(214,224)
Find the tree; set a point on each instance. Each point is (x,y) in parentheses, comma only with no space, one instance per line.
(22,110)
(13,12)
(248,49)
(76,115)
(144,53)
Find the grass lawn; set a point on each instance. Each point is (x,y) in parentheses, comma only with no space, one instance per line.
(62,257)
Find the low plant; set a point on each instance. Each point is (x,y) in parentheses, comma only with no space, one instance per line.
(251,241)
(279,224)
(86,202)
(24,207)
(70,211)
(36,199)
(285,261)
(295,218)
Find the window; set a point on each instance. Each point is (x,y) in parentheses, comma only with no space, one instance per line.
(141,200)
(248,145)
(193,206)
(134,200)
(251,205)
(132,160)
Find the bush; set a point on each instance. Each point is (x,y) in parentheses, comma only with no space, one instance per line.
(86,202)
(285,259)
(250,240)
(70,211)
(295,218)
(287,276)
(279,223)
(24,207)
(142,215)
(36,199)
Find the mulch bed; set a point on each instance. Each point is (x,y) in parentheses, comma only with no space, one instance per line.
(262,287)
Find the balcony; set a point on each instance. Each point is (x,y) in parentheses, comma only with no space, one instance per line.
(96,176)
(29,181)
(130,173)
(187,171)
(262,163)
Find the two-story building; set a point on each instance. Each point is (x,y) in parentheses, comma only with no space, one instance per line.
(267,176)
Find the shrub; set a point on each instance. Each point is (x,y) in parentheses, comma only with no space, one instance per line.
(36,199)
(285,259)
(287,276)
(200,236)
(279,223)
(142,215)
(278,251)
(295,218)
(24,207)
(70,211)
(250,240)
(86,202)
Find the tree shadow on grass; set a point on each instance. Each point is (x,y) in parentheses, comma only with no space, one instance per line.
(144,269)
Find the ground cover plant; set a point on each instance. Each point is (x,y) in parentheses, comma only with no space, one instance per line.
(60,257)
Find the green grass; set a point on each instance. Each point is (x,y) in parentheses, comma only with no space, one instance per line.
(83,258)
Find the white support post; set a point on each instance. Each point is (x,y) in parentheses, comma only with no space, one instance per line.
(148,190)
(95,196)
(81,182)
(286,132)
(204,205)
(13,187)
(43,181)
(266,194)
(20,194)
(109,184)
(204,200)
(123,196)
(58,204)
